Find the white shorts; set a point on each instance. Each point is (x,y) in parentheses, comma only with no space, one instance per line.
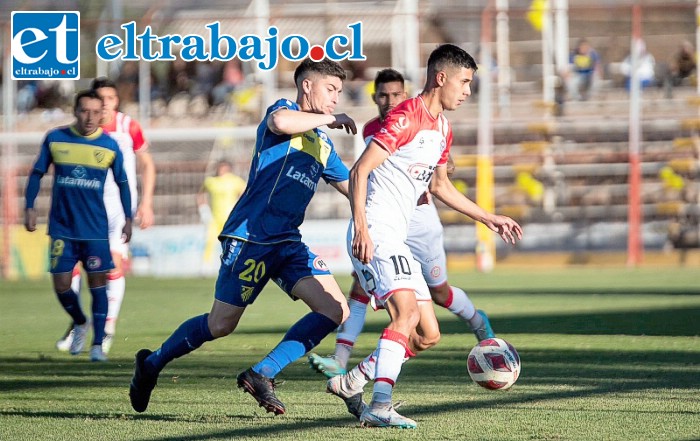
(392,267)
(425,240)
(116,222)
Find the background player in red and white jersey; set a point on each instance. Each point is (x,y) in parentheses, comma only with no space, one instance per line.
(407,155)
(134,147)
(425,240)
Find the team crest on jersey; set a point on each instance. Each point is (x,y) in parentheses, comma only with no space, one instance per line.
(79,172)
(93,262)
(421,172)
(320,265)
(435,271)
(99,156)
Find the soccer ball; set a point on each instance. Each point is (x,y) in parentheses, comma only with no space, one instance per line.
(494,364)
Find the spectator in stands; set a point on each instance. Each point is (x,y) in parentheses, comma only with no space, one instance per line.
(179,78)
(231,79)
(684,63)
(357,81)
(585,65)
(128,82)
(206,76)
(27,95)
(215,201)
(646,65)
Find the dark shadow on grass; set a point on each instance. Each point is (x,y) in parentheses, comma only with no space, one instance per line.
(652,321)
(587,373)
(661,322)
(597,373)
(656,291)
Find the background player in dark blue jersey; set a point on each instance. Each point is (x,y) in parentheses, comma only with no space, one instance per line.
(261,239)
(81,155)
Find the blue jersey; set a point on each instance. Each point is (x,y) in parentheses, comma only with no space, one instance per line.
(80,164)
(284,173)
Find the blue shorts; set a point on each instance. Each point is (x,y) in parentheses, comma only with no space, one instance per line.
(65,253)
(246,267)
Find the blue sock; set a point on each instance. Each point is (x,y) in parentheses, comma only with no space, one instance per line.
(99,313)
(300,339)
(71,304)
(189,336)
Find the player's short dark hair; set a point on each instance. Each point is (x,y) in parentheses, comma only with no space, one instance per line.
(100,82)
(388,76)
(449,55)
(324,67)
(89,93)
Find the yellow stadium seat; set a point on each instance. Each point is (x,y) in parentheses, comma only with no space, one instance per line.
(684,143)
(535,146)
(464,160)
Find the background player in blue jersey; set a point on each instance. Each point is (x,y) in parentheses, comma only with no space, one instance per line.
(261,239)
(82,155)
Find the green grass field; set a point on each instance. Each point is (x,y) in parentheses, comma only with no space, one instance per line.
(607,354)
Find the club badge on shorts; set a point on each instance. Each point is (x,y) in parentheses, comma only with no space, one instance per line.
(93,262)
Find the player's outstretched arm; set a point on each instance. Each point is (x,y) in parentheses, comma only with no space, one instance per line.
(442,188)
(144,212)
(372,157)
(292,122)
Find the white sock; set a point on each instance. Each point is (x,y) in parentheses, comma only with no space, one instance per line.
(115,295)
(343,350)
(75,283)
(364,372)
(461,305)
(348,331)
(390,354)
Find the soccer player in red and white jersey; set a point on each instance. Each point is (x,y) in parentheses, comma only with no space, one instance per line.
(425,240)
(406,157)
(134,147)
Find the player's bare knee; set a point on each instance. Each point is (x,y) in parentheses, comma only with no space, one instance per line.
(61,282)
(406,322)
(335,310)
(220,327)
(95,280)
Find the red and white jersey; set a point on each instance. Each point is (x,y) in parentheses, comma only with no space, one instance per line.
(371,128)
(418,143)
(128,134)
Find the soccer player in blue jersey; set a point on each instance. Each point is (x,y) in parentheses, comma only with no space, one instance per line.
(81,155)
(261,240)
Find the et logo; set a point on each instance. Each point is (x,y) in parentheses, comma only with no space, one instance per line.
(45,45)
